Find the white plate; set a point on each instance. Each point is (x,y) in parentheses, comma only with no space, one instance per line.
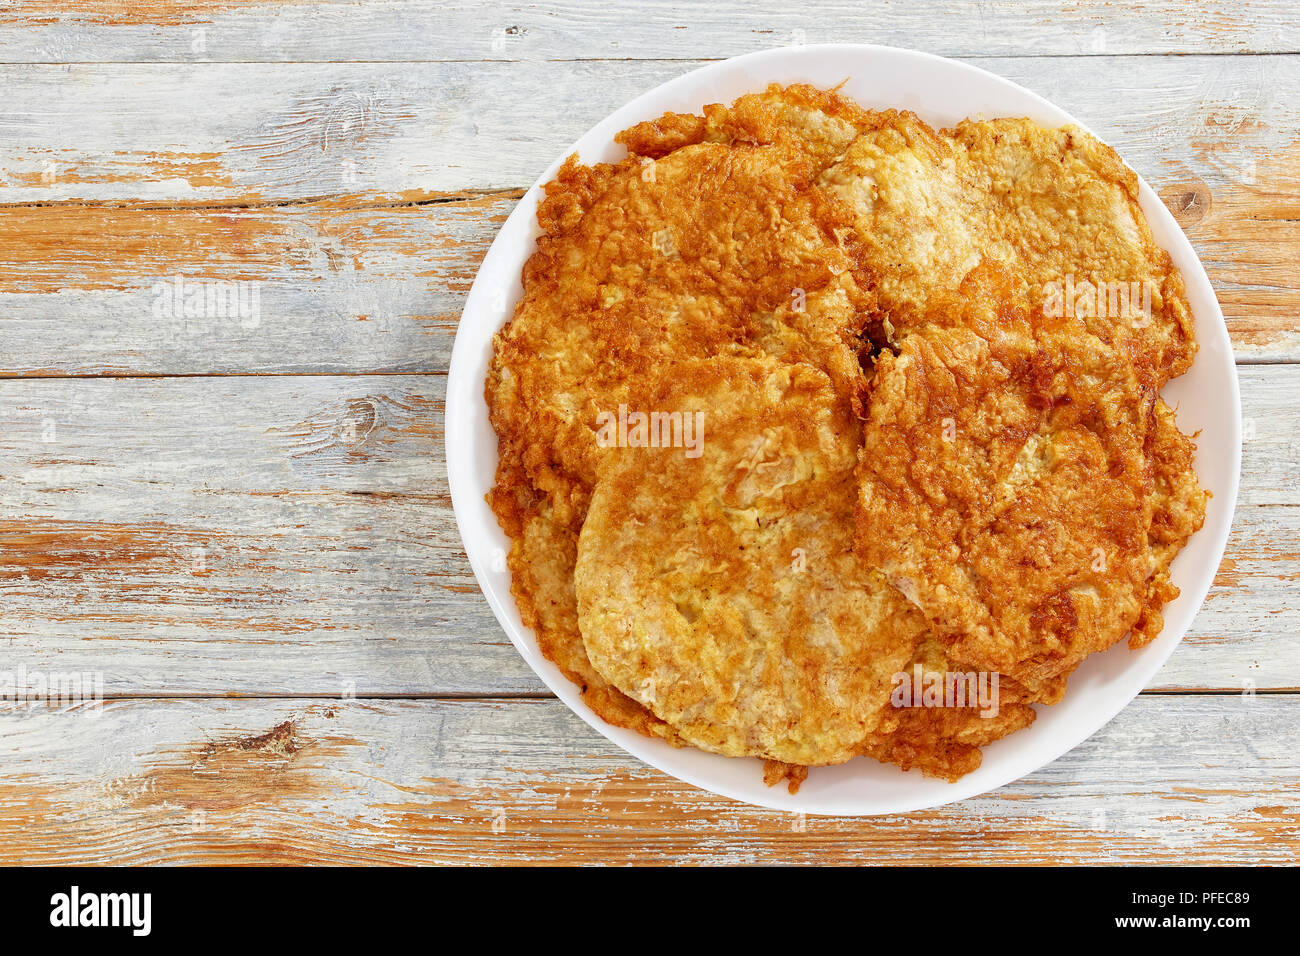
(941,92)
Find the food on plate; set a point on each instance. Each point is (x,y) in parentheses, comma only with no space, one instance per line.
(1006,486)
(1057,207)
(824,434)
(712,589)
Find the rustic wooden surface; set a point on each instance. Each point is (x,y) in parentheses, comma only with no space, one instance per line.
(244,526)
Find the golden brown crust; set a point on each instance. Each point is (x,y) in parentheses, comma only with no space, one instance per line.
(1178,512)
(775,772)
(657,138)
(541,565)
(1003,487)
(1023,486)
(722,590)
(1054,206)
(1018,481)
(623,246)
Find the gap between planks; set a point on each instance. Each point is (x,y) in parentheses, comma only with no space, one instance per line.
(357,203)
(528,61)
(378,373)
(544,695)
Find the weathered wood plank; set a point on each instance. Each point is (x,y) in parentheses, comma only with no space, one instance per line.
(294,535)
(238,133)
(253,30)
(358,201)
(334,286)
(246,534)
(1174,779)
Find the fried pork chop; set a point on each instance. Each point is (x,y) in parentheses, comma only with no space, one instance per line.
(1178,512)
(723,592)
(1054,206)
(1007,481)
(718,248)
(1020,489)
(945,741)
(995,496)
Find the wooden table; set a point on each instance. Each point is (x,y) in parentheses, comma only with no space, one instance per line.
(240,522)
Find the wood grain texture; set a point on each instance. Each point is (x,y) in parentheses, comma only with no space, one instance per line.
(360,199)
(283,534)
(294,534)
(1182,779)
(341,286)
(411,30)
(237,519)
(262,133)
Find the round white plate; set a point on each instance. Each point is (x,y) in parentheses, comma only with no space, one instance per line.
(941,92)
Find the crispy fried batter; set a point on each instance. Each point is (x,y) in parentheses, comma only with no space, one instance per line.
(1055,206)
(1178,511)
(1006,486)
(1006,520)
(790,264)
(721,252)
(722,592)
(945,741)
(541,564)
(715,250)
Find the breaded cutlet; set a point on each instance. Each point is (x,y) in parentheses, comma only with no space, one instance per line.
(716,249)
(1007,489)
(1020,489)
(723,592)
(1056,207)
